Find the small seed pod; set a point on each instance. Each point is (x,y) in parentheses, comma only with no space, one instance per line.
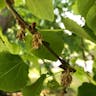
(66,78)
(37,40)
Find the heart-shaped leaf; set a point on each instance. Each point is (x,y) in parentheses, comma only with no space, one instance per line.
(75,28)
(13,72)
(43,9)
(56,43)
(87,89)
(34,89)
(91,18)
(84,6)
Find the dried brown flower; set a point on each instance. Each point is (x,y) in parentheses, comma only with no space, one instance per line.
(37,40)
(66,78)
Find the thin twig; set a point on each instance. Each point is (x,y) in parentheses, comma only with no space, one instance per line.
(15,14)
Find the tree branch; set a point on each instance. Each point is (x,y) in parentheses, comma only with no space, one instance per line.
(65,65)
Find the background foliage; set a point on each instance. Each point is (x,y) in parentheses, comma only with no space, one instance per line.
(70,28)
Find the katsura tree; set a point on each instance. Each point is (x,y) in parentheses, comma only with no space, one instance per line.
(35,35)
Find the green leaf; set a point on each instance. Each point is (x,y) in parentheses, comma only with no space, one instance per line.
(11,47)
(89,31)
(33,59)
(75,8)
(13,72)
(34,89)
(94,67)
(42,9)
(80,74)
(91,18)
(2,46)
(2,4)
(78,30)
(54,39)
(72,45)
(87,89)
(18,2)
(28,42)
(53,84)
(84,6)
(94,70)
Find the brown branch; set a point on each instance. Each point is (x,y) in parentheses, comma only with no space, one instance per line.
(65,65)
(15,14)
